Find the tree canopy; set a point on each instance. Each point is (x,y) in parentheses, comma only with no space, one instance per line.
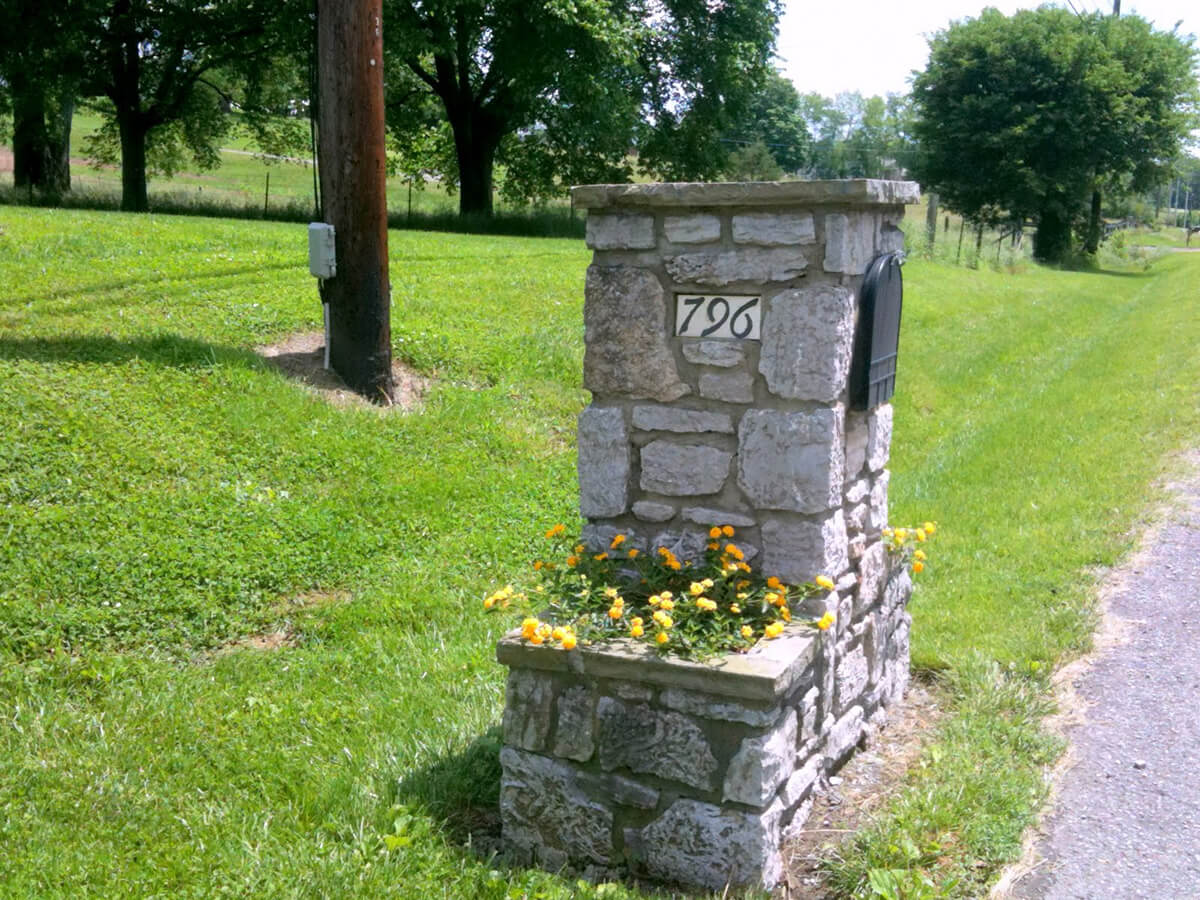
(1024,116)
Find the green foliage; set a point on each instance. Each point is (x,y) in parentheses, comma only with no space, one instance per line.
(1022,116)
(856,136)
(753,162)
(773,125)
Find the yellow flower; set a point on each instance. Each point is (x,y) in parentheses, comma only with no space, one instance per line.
(713,546)
(773,598)
(633,553)
(558,633)
(714,532)
(579,548)
(655,600)
(773,630)
(529,627)
(743,566)
(538,565)
(617,542)
(572,561)
(667,602)
(785,614)
(662,637)
(663,619)
(696,588)
(901,533)
(887,532)
(732,550)
(918,566)
(556,530)
(929,527)
(636,631)
(747,631)
(921,535)
(707,582)
(824,581)
(674,564)
(568,642)
(536,639)
(666,595)
(920,554)
(615,612)
(735,609)
(600,557)
(705,604)
(825,621)
(742,585)
(545,630)
(611,593)
(727,531)
(636,622)
(489,602)
(774,583)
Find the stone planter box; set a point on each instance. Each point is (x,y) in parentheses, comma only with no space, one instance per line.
(619,761)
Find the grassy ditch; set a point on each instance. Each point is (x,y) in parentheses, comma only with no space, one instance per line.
(240,645)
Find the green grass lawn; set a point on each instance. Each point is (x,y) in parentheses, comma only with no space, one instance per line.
(166,495)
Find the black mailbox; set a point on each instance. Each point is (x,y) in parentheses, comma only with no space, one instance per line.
(877,338)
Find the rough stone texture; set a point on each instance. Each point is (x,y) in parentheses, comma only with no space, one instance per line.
(849,243)
(779,194)
(798,551)
(699,843)
(573,735)
(891,239)
(603,442)
(879,440)
(898,658)
(626,350)
(622,791)
(687,545)
(599,538)
(692,229)
(631,690)
(801,782)
(703,516)
(542,807)
(856,518)
(623,231)
(859,490)
(649,511)
(875,647)
(679,470)
(527,705)
(773,229)
(673,418)
(807,339)
(708,706)
(857,435)
(732,387)
(872,569)
(791,460)
(852,676)
(844,736)
(878,512)
(722,354)
(762,764)
(808,722)
(896,592)
(723,268)
(644,739)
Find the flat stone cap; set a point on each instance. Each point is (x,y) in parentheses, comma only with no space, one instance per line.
(767,673)
(852,191)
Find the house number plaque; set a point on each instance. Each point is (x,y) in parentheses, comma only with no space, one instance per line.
(718,316)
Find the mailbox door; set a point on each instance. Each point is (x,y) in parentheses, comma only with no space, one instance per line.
(877,339)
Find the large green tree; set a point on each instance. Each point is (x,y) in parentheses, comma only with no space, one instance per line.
(1023,116)
(773,120)
(560,92)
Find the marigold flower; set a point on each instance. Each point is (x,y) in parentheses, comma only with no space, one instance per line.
(900,533)
(773,630)
(662,637)
(825,621)
(743,566)
(489,602)
(929,527)
(774,583)
(611,593)
(824,581)
(633,553)
(727,531)
(663,551)
(579,548)
(714,532)
(558,633)
(536,639)
(617,542)
(920,554)
(556,530)
(785,614)
(666,595)
(674,564)
(747,631)
(615,612)
(772,598)
(707,582)
(545,629)
(921,535)
(667,603)
(529,627)
(713,546)
(735,609)
(636,622)
(636,631)
(705,604)
(572,561)
(600,557)
(569,641)
(663,619)
(887,532)
(655,600)
(918,566)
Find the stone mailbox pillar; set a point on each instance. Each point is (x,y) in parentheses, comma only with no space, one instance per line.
(720,324)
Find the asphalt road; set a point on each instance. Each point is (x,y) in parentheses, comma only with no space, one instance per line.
(1126,819)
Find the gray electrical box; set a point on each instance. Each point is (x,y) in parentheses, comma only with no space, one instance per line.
(322,257)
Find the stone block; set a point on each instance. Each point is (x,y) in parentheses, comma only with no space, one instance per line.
(875,646)
(853,673)
(683,421)
(709,706)
(731,387)
(622,791)
(649,511)
(722,354)
(631,690)
(689,546)
(879,437)
(723,268)
(891,239)
(542,807)
(896,592)
(808,715)
(626,351)
(703,516)
(647,740)
(692,229)
(681,470)
(791,460)
(528,701)
(801,782)
(774,229)
(807,339)
(858,491)
(604,462)
(849,243)
(701,845)
(856,518)
(798,551)
(878,510)
(620,231)
(857,435)
(872,568)
(598,538)
(762,764)
(573,734)
(844,736)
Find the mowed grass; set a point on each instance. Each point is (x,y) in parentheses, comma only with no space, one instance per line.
(165,496)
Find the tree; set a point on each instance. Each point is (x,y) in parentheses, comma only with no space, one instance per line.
(1019,117)
(171,70)
(773,119)
(561,92)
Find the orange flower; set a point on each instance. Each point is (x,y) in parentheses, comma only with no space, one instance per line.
(727,531)
(714,532)
(556,530)
(918,566)
(617,542)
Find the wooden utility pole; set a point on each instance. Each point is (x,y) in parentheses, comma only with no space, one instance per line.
(352,167)
(931,214)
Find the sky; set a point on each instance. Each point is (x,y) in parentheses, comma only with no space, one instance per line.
(871,47)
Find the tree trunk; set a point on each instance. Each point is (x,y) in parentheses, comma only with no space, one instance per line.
(475,146)
(931,216)
(1091,242)
(353,171)
(58,163)
(29,134)
(1052,240)
(133,162)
